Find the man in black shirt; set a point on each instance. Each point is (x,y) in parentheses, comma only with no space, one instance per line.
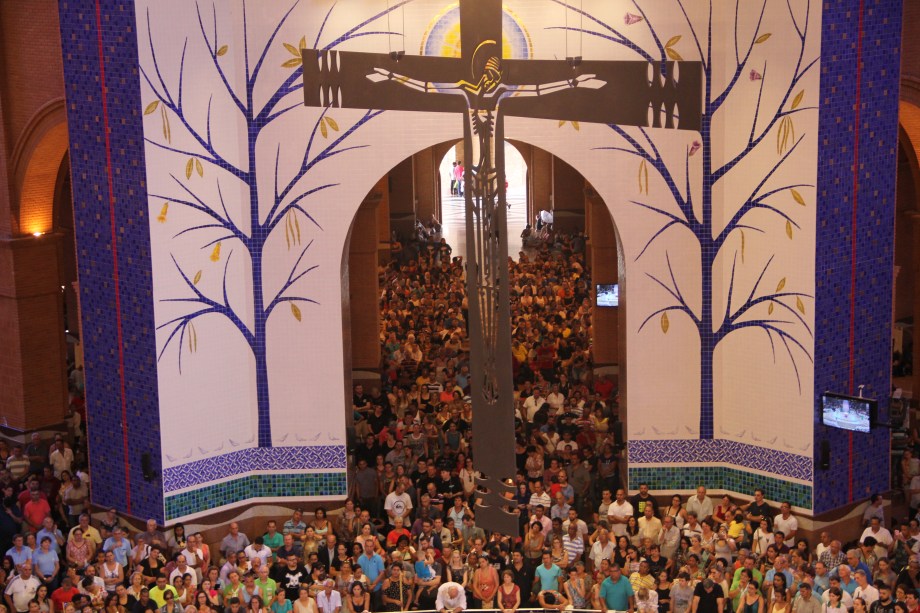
(449,486)
(291,575)
(708,597)
(143,605)
(640,500)
(523,575)
(368,451)
(757,509)
(360,400)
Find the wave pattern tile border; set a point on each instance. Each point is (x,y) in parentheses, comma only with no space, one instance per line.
(722,451)
(247,460)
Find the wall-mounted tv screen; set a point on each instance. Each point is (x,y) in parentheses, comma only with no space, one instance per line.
(608,295)
(847,412)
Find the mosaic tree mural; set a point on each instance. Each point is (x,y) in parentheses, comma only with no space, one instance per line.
(767,305)
(177,106)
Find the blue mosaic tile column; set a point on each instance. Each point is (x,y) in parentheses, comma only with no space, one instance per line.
(110,200)
(858,134)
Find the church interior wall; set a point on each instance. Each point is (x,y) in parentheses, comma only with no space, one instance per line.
(763,429)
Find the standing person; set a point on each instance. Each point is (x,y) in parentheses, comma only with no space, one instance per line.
(485,583)
(616,593)
(807,602)
(395,592)
(21,589)
(372,566)
(458,175)
(509,594)
(682,594)
(453,179)
(327,599)
(708,597)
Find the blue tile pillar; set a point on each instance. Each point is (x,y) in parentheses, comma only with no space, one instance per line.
(113,244)
(855,238)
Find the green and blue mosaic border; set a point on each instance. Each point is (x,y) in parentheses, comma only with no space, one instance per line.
(671,478)
(275,485)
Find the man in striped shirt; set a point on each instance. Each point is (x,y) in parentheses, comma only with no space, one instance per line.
(573,544)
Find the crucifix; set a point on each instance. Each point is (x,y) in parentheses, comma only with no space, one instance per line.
(483,87)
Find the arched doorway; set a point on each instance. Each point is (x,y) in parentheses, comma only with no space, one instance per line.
(453,215)
(369,302)
(37,393)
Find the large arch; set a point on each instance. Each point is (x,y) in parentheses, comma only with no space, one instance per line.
(36,389)
(906,307)
(356,325)
(36,162)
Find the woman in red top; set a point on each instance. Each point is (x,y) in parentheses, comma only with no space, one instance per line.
(485,583)
(509,594)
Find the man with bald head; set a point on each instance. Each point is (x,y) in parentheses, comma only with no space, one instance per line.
(235,541)
(451,598)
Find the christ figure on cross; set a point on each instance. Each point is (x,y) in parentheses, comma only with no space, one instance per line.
(483,87)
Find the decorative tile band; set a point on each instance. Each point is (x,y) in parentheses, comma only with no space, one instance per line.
(251,487)
(672,478)
(256,458)
(682,451)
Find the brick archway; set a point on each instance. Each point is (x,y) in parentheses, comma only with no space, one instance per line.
(36,162)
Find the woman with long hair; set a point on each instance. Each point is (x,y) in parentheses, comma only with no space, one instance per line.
(357,599)
(485,583)
(456,569)
(752,600)
(676,510)
(396,593)
(211,593)
(45,604)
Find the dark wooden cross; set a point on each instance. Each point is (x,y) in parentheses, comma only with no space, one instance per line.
(482,86)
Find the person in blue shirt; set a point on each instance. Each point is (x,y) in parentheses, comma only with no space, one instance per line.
(118,545)
(19,553)
(52,532)
(46,563)
(372,565)
(616,592)
(547,574)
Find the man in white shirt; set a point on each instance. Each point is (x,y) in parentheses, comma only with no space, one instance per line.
(618,513)
(539,497)
(532,404)
(182,568)
(451,598)
(864,589)
(21,589)
(398,504)
(60,458)
(555,399)
(786,523)
(649,525)
(580,525)
(602,549)
(881,534)
(258,550)
(328,600)
(700,503)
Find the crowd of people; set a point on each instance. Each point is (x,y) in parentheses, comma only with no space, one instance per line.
(407,538)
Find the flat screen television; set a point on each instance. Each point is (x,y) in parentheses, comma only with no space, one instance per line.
(608,295)
(848,413)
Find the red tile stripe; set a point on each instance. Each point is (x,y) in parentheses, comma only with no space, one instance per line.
(108,172)
(852,364)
